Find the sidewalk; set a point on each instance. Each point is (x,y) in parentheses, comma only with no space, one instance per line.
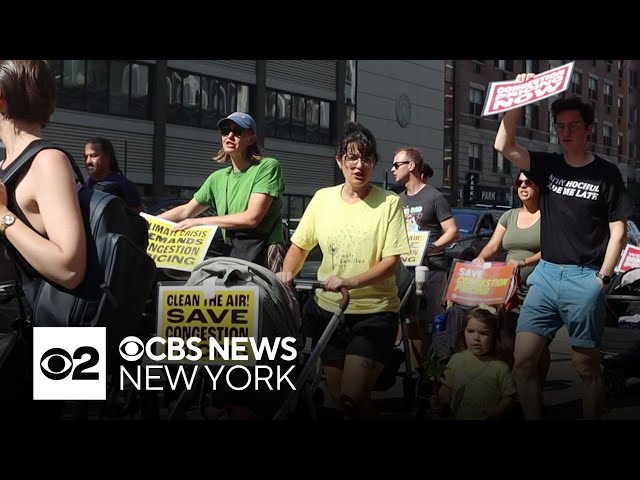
(563,389)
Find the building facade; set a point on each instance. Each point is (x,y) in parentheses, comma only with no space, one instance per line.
(161,115)
(477,174)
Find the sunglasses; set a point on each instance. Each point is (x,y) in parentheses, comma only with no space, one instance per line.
(226,130)
(526,183)
(397,165)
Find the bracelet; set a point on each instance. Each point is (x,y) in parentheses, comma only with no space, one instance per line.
(523,262)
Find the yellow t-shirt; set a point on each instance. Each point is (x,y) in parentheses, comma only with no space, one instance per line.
(477,384)
(353,238)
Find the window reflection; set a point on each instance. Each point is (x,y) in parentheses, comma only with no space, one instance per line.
(201,101)
(299,118)
(116,87)
(270,113)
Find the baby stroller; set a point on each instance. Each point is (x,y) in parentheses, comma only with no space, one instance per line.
(279,317)
(621,339)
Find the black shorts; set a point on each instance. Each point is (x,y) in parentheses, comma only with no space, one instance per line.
(369,335)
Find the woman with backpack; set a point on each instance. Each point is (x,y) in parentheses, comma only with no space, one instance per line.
(40,220)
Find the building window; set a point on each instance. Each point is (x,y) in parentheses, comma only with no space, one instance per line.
(530,117)
(576,83)
(593,89)
(115,87)
(297,117)
(506,65)
(200,100)
(593,138)
(607,133)
(350,91)
(553,138)
(609,65)
(475,156)
(500,165)
(608,94)
(532,66)
(620,143)
(620,108)
(476,101)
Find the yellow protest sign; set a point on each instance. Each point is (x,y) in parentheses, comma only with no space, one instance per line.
(210,314)
(418,246)
(177,250)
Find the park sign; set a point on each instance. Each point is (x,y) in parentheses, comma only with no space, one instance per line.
(511,94)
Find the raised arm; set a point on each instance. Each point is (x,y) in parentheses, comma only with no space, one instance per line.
(505,142)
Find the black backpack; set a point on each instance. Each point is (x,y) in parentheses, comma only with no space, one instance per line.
(119,273)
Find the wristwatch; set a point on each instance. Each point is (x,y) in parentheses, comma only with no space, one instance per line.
(606,279)
(7,221)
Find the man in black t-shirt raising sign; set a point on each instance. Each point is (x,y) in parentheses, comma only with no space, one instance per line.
(584,206)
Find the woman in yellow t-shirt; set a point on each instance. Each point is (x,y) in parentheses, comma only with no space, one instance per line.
(361,233)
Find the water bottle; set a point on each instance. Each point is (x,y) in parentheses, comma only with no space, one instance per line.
(439,323)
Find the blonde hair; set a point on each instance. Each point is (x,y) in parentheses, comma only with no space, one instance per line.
(253,154)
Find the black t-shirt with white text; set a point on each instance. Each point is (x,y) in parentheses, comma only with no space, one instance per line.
(576,206)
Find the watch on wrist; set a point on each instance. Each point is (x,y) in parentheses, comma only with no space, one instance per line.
(606,279)
(6,221)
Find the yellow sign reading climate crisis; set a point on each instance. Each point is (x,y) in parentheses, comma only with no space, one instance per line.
(181,250)
(225,312)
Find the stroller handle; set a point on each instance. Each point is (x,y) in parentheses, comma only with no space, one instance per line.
(306,286)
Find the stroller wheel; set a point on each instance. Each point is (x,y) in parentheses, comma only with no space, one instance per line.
(615,381)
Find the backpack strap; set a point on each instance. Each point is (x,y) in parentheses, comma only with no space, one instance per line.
(25,159)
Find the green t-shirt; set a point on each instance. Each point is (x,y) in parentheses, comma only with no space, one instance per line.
(228,192)
(520,243)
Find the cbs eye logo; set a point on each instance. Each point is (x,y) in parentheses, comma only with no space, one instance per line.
(131,349)
(57,363)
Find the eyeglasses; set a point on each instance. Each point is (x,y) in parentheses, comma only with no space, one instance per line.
(526,183)
(572,127)
(397,165)
(352,160)
(226,130)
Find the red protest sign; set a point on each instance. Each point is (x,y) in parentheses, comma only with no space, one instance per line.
(629,259)
(510,94)
(472,284)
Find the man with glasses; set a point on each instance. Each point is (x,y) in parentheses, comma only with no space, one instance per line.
(425,208)
(584,205)
(247,196)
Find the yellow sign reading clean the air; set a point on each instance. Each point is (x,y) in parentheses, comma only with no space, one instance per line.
(222,313)
(181,250)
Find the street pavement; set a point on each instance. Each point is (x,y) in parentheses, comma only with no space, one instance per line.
(562,392)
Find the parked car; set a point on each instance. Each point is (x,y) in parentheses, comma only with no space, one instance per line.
(475,228)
